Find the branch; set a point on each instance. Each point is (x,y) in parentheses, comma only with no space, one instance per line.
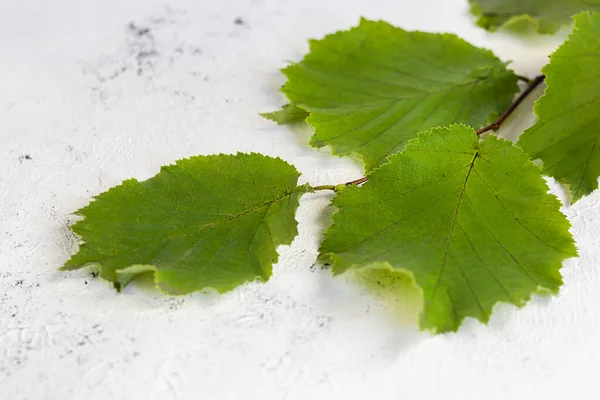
(494,126)
(357,182)
(335,189)
(324,187)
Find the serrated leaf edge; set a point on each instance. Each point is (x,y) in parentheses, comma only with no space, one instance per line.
(549,79)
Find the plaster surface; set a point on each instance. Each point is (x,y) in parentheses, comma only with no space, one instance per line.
(94,92)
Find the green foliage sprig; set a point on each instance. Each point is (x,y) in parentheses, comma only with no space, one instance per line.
(465,217)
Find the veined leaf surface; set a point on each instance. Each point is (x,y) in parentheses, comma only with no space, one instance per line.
(566,135)
(371,89)
(205,221)
(471,221)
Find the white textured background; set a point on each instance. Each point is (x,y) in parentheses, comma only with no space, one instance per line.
(94,92)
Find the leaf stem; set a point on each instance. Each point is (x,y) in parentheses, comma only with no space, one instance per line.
(523,78)
(335,188)
(357,181)
(324,187)
(494,126)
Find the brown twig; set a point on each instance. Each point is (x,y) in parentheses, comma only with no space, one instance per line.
(494,126)
(324,187)
(357,182)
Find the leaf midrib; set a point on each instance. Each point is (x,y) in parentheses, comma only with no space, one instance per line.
(451,232)
(208,225)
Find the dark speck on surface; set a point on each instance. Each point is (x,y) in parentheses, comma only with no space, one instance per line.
(239,21)
(139,31)
(143,47)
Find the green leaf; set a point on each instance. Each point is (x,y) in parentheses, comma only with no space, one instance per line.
(374,87)
(547,15)
(289,114)
(567,134)
(471,222)
(206,221)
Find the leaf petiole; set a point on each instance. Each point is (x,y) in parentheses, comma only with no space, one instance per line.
(324,187)
(335,188)
(494,126)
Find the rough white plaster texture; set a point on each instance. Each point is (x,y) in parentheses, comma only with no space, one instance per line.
(94,92)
